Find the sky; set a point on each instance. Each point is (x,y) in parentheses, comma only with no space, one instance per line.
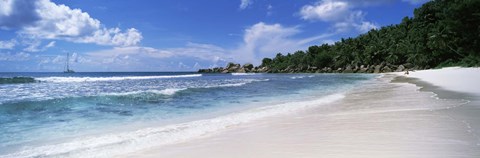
(177,35)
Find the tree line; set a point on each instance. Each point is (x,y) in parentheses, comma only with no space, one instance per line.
(441,33)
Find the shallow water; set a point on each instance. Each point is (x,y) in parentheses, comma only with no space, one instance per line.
(102,114)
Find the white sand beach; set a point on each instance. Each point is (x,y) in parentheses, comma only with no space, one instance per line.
(452,78)
(386,119)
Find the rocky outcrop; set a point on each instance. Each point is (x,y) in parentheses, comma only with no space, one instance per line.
(235,68)
(377,69)
(249,68)
(386,69)
(400,68)
(348,69)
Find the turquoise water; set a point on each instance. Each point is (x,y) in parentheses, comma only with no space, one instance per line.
(103,114)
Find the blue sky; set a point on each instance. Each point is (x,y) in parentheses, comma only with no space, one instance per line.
(177,35)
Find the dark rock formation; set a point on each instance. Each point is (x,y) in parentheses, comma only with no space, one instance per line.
(348,69)
(249,68)
(400,68)
(386,69)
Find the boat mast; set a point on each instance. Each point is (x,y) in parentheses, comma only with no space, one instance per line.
(68,60)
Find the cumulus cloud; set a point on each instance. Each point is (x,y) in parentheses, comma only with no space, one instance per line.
(259,40)
(341,13)
(172,59)
(205,52)
(245,3)
(17,13)
(265,40)
(129,52)
(326,10)
(44,19)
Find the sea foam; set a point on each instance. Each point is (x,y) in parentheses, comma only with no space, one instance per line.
(168,91)
(97,79)
(172,91)
(244,74)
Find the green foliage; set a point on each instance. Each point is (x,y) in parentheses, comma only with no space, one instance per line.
(441,33)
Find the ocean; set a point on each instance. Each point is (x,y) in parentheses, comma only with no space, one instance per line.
(107,114)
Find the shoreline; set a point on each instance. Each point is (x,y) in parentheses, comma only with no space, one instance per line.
(369,122)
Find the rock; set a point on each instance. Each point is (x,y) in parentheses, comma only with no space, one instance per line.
(400,68)
(233,68)
(348,69)
(325,69)
(386,69)
(217,70)
(408,65)
(289,69)
(225,71)
(362,69)
(241,70)
(377,69)
(248,66)
(356,68)
(339,70)
(262,70)
(254,69)
(229,65)
(203,70)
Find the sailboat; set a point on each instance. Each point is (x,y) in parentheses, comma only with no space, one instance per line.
(68,70)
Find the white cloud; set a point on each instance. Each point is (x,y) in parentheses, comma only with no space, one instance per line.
(35,45)
(245,3)
(17,13)
(259,40)
(43,19)
(8,44)
(8,56)
(51,44)
(341,13)
(32,46)
(151,59)
(266,40)
(113,36)
(326,10)
(365,26)
(269,10)
(129,52)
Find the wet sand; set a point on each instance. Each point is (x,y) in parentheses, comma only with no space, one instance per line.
(388,117)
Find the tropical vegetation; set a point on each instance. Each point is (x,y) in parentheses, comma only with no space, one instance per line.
(441,33)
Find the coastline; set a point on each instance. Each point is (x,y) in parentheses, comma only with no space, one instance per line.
(394,116)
